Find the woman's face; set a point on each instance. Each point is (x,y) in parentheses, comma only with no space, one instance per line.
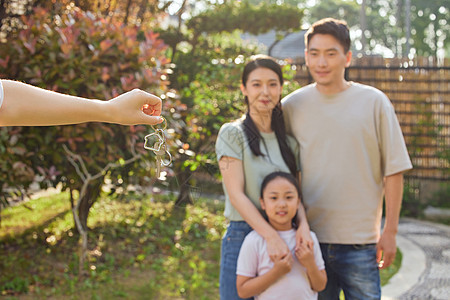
(263,90)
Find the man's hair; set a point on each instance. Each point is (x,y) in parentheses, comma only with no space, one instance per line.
(336,28)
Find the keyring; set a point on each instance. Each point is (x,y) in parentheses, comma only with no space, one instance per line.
(165,124)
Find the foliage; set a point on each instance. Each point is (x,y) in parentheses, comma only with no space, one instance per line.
(428,133)
(340,9)
(242,15)
(411,204)
(207,81)
(81,54)
(390,271)
(440,198)
(143,248)
(430,21)
(278,2)
(386,23)
(136,12)
(208,58)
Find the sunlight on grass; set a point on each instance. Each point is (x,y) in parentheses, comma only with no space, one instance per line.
(138,249)
(17,219)
(390,271)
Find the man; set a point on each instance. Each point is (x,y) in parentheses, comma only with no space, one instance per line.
(351,150)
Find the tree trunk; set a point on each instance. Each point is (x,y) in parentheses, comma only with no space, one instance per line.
(142,9)
(184,198)
(72,205)
(363,25)
(86,202)
(127,12)
(2,10)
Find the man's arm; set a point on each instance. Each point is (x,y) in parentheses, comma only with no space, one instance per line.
(387,245)
(303,234)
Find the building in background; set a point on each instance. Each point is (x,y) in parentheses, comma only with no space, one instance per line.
(291,46)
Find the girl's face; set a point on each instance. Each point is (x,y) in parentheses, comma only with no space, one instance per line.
(263,90)
(280,201)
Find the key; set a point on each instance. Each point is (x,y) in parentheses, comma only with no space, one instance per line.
(159,158)
(159,147)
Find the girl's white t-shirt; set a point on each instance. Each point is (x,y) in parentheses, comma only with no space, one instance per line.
(254,261)
(1,93)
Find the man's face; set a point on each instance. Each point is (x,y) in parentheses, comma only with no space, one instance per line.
(326,60)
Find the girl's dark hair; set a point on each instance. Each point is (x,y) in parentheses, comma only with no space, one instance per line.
(250,130)
(274,175)
(289,177)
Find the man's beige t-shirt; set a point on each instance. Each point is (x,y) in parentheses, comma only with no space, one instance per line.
(348,143)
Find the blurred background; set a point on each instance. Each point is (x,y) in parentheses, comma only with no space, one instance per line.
(160,237)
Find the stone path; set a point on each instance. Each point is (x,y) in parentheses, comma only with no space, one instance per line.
(425,270)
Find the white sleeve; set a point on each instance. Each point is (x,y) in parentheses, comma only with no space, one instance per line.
(317,252)
(247,263)
(1,93)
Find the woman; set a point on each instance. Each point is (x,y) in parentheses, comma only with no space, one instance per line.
(248,150)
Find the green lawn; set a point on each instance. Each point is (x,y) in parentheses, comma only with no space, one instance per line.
(138,249)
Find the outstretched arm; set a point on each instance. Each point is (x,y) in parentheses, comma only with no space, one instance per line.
(387,245)
(26,105)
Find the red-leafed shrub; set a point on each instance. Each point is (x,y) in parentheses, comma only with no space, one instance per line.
(81,54)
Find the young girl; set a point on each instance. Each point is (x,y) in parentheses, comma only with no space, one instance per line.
(298,275)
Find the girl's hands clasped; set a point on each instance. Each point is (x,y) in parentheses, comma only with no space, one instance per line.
(283,265)
(303,236)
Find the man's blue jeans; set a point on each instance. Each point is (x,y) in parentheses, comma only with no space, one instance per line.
(231,244)
(352,268)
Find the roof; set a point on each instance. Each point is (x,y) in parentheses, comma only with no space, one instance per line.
(292,46)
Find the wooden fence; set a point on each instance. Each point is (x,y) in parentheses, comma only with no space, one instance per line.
(420,92)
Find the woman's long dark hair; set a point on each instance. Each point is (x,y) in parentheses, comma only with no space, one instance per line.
(250,130)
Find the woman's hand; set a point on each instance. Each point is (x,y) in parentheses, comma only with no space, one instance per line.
(277,247)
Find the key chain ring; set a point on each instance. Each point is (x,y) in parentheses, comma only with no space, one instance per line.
(164,127)
(170,159)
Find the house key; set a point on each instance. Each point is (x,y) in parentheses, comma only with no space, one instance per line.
(159,147)
(159,159)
